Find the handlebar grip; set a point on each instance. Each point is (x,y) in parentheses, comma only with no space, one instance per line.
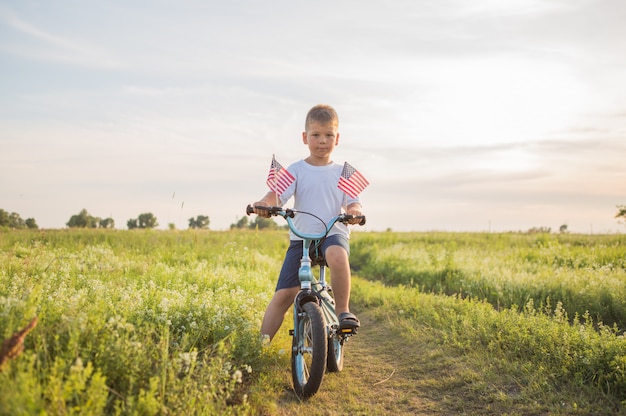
(272,210)
(348,217)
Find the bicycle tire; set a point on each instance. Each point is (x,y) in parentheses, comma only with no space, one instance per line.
(308,355)
(334,362)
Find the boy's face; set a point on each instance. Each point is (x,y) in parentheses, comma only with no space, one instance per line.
(321,139)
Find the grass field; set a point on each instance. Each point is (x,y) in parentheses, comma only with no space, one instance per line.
(166,322)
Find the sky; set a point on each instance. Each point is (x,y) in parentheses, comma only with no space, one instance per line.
(464,115)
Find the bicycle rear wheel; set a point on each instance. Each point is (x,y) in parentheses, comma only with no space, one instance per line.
(308,355)
(334,362)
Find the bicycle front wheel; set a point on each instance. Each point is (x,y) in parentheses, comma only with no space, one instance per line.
(308,355)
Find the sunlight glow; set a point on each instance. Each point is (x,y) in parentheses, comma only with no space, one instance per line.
(497,101)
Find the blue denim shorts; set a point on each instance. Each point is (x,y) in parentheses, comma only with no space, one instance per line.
(288,277)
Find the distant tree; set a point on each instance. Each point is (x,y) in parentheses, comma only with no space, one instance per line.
(621,214)
(171,226)
(262,223)
(79,220)
(147,220)
(83,220)
(31,223)
(15,221)
(201,222)
(242,223)
(563,229)
(132,223)
(107,223)
(4,218)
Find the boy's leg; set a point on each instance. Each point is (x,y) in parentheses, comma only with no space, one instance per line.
(275,312)
(337,259)
(286,290)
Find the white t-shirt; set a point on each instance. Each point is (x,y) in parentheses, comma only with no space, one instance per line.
(315,190)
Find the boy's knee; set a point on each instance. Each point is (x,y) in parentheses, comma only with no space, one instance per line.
(283,298)
(336,251)
(336,255)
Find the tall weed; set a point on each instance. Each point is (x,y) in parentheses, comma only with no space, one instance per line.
(540,349)
(139,322)
(585,273)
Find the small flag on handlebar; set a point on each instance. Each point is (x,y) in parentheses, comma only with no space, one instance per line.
(351,181)
(279,178)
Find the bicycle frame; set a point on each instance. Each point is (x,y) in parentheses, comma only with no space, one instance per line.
(312,288)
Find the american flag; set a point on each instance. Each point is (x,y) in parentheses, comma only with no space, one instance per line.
(278,178)
(351,181)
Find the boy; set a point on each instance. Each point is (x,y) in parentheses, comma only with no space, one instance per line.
(315,191)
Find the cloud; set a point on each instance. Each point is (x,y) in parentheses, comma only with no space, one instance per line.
(33,42)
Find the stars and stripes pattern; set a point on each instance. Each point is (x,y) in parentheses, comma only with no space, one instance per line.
(351,181)
(279,178)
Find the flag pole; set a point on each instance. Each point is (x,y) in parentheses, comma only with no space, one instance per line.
(275,179)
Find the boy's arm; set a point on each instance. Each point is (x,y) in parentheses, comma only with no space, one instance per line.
(354,209)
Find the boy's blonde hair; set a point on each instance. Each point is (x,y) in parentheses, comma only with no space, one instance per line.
(321,113)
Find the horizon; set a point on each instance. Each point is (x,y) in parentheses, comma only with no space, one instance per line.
(563,229)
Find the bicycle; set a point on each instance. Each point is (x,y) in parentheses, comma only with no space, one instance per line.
(318,339)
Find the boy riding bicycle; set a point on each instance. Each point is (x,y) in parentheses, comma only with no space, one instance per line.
(315,190)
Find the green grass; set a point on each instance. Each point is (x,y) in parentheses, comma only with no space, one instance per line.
(533,362)
(134,322)
(166,322)
(586,274)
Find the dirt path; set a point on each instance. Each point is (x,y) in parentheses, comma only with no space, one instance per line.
(384,375)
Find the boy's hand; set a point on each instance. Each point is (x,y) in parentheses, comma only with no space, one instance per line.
(355,211)
(261,210)
(260,207)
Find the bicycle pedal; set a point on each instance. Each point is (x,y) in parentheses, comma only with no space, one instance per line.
(349,331)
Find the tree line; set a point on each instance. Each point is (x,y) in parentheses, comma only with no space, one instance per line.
(145,220)
(14,220)
(85,220)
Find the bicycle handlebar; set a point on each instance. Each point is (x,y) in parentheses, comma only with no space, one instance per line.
(289,213)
